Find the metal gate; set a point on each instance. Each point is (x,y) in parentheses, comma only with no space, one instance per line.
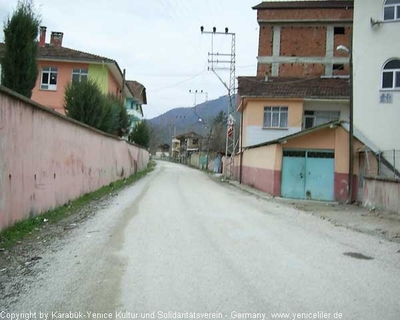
(308,174)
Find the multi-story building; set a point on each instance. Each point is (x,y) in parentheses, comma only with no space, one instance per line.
(376,55)
(183,145)
(134,105)
(294,138)
(58,66)
(299,38)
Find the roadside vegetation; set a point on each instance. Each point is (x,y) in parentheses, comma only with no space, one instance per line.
(84,101)
(28,227)
(141,134)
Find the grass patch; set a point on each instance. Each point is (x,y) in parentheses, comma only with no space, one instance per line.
(23,228)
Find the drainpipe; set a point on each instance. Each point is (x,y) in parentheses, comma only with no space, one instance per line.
(241,144)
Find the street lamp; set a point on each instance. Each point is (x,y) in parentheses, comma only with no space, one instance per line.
(351,126)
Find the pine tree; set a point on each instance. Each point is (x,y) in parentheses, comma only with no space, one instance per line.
(121,118)
(84,102)
(19,65)
(141,134)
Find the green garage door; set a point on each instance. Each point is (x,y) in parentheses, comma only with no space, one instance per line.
(308,174)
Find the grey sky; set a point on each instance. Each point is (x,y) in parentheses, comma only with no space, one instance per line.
(158,42)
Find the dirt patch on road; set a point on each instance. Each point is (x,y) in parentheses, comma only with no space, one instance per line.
(385,225)
(18,263)
(371,221)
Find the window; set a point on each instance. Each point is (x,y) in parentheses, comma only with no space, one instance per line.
(338,30)
(316,118)
(391,10)
(49,78)
(338,66)
(391,75)
(79,75)
(195,141)
(275,117)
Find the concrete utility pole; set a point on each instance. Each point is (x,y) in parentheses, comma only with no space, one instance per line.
(213,65)
(351,122)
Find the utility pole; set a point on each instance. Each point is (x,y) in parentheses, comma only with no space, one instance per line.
(198,92)
(228,62)
(351,122)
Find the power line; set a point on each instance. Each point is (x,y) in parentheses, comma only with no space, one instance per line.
(178,83)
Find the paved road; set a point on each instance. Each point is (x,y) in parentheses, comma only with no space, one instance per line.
(178,241)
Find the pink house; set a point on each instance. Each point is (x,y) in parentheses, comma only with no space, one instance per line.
(58,66)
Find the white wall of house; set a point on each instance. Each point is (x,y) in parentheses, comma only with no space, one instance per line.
(343,107)
(372,47)
(135,113)
(257,135)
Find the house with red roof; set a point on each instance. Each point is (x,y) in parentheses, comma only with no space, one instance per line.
(295,111)
(134,103)
(59,65)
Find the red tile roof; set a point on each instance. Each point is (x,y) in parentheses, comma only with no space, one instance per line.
(305,4)
(279,87)
(63,53)
(138,90)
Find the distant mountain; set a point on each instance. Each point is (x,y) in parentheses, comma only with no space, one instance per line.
(181,120)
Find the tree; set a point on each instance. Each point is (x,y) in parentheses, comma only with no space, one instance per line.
(83,101)
(141,134)
(220,118)
(122,121)
(218,136)
(156,137)
(19,65)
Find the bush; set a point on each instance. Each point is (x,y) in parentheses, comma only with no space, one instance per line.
(141,134)
(84,102)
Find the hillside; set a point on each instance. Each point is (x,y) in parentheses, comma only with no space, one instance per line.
(181,120)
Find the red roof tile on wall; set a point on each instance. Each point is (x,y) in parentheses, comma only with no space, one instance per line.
(333,88)
(304,4)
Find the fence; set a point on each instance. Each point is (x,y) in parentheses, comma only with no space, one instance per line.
(389,164)
(385,164)
(47,159)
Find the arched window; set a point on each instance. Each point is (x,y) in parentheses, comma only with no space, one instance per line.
(391,75)
(391,10)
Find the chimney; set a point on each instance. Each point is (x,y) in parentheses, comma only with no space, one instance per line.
(56,39)
(42,39)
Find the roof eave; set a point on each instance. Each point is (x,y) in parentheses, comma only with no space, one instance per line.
(331,124)
(302,5)
(62,59)
(288,97)
(305,21)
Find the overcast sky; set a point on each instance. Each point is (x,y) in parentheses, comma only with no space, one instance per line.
(158,42)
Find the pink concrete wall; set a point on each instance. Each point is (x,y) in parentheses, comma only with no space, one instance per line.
(342,187)
(382,193)
(266,180)
(47,159)
(55,99)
